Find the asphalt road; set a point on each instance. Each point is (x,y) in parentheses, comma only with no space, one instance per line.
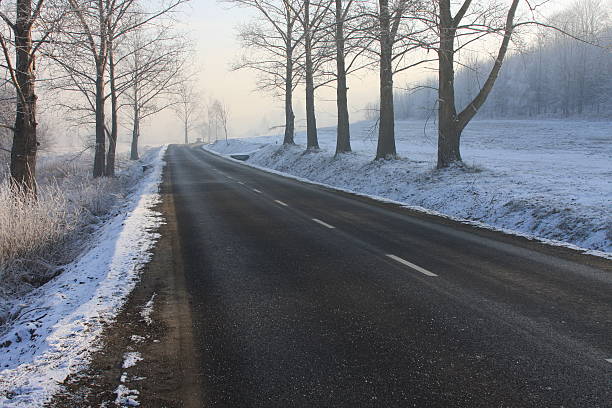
(306,297)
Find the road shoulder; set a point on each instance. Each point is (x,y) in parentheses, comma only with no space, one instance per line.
(164,377)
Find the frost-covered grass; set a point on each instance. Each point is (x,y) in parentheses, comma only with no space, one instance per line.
(31,232)
(549,179)
(38,236)
(54,328)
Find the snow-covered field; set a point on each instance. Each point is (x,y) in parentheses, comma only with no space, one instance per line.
(57,324)
(545,179)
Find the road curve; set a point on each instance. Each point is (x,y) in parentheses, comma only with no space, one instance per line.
(306,297)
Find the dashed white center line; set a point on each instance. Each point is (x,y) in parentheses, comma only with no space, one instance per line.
(257,191)
(240,182)
(411,265)
(323,223)
(281,203)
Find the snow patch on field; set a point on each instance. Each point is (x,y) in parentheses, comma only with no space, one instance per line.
(544,179)
(57,331)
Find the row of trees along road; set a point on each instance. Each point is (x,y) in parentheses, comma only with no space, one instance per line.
(94,51)
(316,42)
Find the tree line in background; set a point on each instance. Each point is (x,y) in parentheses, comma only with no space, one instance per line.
(555,77)
(315,43)
(209,119)
(123,57)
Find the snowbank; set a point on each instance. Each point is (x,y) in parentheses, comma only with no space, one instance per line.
(60,322)
(544,179)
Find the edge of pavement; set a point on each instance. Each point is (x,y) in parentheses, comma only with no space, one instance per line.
(164,377)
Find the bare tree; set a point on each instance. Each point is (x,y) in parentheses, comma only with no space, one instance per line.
(450,29)
(555,74)
(271,49)
(138,19)
(579,69)
(396,35)
(220,114)
(153,64)
(90,35)
(313,18)
(98,26)
(343,136)
(113,134)
(187,106)
(211,122)
(349,43)
(19,47)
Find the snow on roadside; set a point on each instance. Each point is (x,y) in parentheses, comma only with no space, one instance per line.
(147,309)
(126,397)
(541,179)
(130,359)
(56,334)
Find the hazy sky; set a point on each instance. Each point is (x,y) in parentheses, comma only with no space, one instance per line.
(212,26)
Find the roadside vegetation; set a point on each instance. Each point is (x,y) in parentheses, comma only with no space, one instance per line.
(97,67)
(38,236)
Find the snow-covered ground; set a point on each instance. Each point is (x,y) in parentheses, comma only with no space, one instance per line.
(546,179)
(59,322)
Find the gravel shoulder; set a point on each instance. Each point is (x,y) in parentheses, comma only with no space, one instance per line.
(163,377)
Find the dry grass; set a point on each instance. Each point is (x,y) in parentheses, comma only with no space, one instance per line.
(38,236)
(30,229)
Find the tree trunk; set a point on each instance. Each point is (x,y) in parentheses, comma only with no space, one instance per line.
(289,116)
(110,156)
(312,142)
(449,133)
(186,129)
(112,145)
(23,152)
(100,149)
(135,136)
(135,111)
(386,127)
(451,124)
(343,136)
